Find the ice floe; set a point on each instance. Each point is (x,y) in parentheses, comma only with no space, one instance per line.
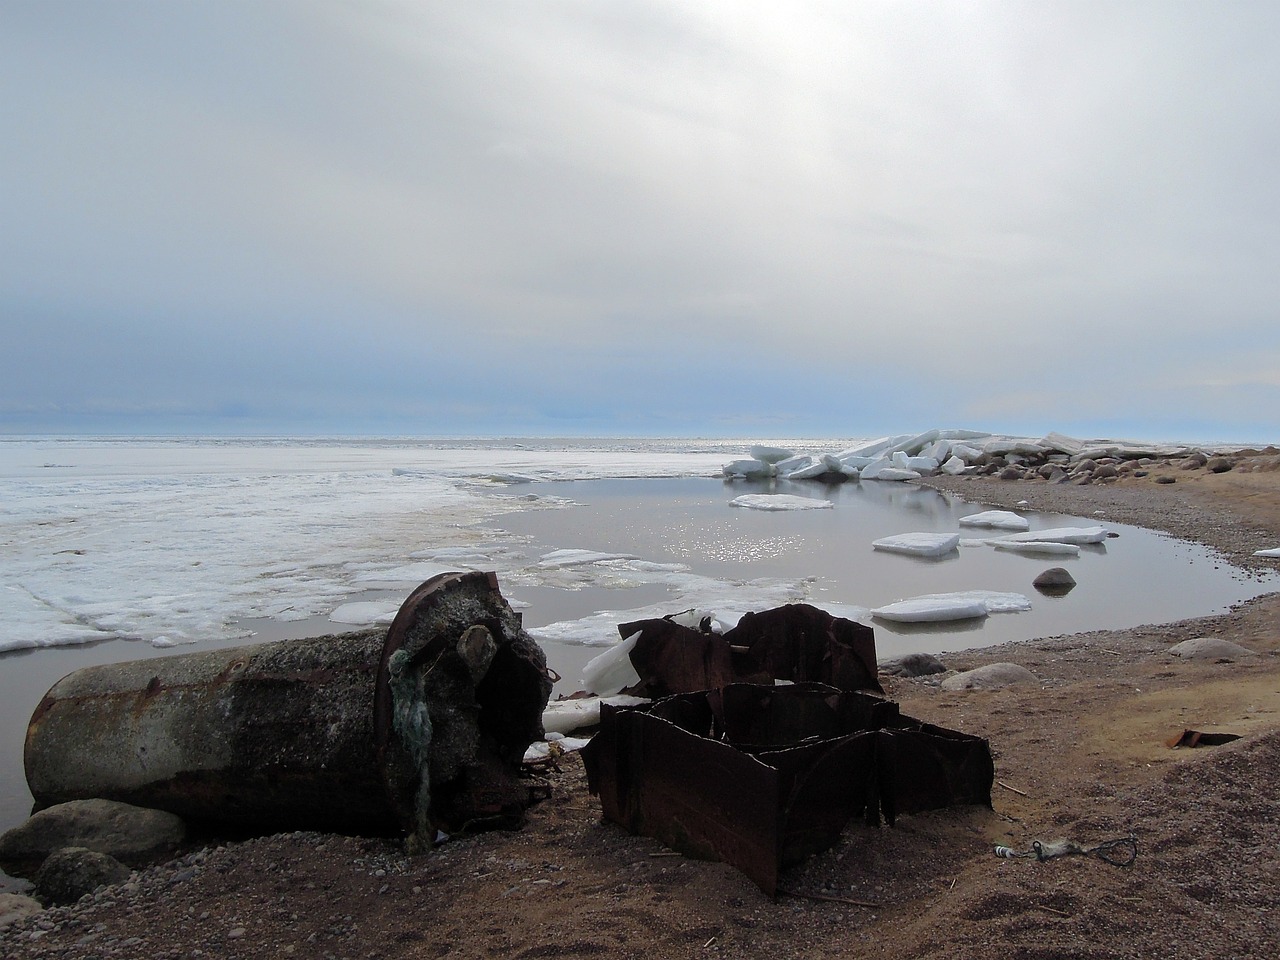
(779,501)
(1272,552)
(953,452)
(1003,519)
(919,544)
(365,612)
(963,605)
(566,716)
(612,670)
(1045,547)
(1078,535)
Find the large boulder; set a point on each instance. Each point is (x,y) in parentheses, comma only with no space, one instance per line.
(991,677)
(68,874)
(134,835)
(1209,648)
(15,907)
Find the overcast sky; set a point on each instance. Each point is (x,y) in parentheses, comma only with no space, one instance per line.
(693,217)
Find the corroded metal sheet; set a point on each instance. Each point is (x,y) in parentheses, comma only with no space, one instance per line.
(763,776)
(796,642)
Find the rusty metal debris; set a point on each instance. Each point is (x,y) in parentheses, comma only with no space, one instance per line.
(763,776)
(795,642)
(418,731)
(1195,738)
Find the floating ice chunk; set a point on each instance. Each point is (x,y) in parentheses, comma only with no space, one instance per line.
(1061,535)
(748,469)
(848,611)
(938,450)
(919,544)
(566,716)
(930,609)
(854,464)
(806,470)
(1272,552)
(913,445)
(779,501)
(884,469)
(1044,547)
(964,605)
(1004,519)
(922,464)
(612,670)
(771,454)
(365,612)
(873,448)
(579,558)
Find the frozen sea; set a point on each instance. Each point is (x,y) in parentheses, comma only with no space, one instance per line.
(117,548)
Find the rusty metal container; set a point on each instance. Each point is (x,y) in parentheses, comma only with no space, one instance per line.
(763,776)
(418,729)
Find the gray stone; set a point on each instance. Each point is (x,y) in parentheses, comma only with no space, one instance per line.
(1193,462)
(68,874)
(913,665)
(1055,581)
(1219,465)
(132,834)
(15,907)
(1209,648)
(1011,473)
(1165,478)
(991,677)
(1105,471)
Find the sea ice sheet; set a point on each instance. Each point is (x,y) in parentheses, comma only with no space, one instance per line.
(779,501)
(919,544)
(962,605)
(1002,519)
(1078,535)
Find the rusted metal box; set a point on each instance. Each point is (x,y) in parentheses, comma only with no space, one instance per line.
(763,776)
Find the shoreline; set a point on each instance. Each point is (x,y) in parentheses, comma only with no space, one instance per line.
(1081,755)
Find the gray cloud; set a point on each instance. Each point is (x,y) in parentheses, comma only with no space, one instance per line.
(633,216)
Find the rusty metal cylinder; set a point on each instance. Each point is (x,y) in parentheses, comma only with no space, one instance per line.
(251,735)
(420,728)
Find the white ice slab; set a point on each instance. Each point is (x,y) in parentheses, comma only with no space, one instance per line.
(1044,547)
(749,469)
(779,501)
(771,454)
(365,613)
(919,544)
(964,605)
(1272,552)
(1062,535)
(1003,519)
(806,470)
(566,716)
(612,670)
(885,470)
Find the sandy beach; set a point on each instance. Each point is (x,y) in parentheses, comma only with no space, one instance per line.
(1082,755)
